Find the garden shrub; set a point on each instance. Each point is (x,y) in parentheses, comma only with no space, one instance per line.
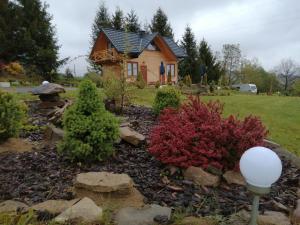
(169,79)
(157,84)
(116,90)
(140,82)
(90,130)
(166,97)
(187,80)
(12,115)
(94,77)
(197,135)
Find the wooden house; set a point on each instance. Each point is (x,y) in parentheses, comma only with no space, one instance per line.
(145,53)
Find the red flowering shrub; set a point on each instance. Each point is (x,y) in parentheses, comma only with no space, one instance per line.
(197,135)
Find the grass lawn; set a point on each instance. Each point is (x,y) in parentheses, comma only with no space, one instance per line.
(280,114)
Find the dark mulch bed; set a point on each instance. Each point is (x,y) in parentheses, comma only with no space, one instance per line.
(37,176)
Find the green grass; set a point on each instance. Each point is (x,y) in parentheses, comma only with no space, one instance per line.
(280,114)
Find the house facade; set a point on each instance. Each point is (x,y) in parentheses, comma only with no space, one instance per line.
(137,53)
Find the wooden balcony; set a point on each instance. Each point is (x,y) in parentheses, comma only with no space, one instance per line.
(106,56)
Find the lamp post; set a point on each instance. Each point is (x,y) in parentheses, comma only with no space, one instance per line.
(261,167)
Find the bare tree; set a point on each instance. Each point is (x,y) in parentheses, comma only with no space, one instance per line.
(231,60)
(287,71)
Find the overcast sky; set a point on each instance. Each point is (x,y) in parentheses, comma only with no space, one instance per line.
(266,29)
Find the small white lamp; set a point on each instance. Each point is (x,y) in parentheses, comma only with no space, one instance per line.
(261,167)
(45,82)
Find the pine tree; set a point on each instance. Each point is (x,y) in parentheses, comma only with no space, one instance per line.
(102,19)
(188,66)
(29,36)
(209,61)
(118,19)
(160,24)
(132,22)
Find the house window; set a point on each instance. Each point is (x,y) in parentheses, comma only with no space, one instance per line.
(132,69)
(171,69)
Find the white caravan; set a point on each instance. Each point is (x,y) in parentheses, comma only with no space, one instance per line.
(246,88)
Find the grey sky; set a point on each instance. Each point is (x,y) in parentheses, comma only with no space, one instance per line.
(266,29)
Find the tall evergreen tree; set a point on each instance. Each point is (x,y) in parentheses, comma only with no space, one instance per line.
(30,36)
(207,60)
(118,19)
(102,19)
(160,24)
(188,66)
(132,23)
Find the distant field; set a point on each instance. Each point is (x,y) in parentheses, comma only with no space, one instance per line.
(280,114)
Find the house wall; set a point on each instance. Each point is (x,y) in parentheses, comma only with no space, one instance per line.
(152,60)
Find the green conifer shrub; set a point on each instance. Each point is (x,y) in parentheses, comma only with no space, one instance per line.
(90,130)
(187,80)
(12,115)
(140,82)
(166,97)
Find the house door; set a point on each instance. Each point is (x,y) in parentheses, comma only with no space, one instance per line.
(144,72)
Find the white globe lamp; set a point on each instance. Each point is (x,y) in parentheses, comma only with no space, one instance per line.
(45,82)
(261,167)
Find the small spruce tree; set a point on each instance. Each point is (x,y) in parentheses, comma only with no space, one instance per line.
(11,116)
(90,130)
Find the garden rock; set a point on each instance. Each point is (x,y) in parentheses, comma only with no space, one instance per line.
(54,207)
(200,177)
(131,136)
(240,218)
(48,89)
(16,145)
(108,188)
(198,221)
(296,214)
(53,134)
(233,177)
(85,211)
(142,216)
(10,206)
(273,218)
(104,182)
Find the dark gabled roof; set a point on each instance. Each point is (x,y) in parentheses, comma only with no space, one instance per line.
(178,51)
(137,42)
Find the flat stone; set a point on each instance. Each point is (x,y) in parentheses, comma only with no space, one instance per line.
(233,177)
(48,89)
(115,199)
(273,218)
(198,221)
(16,145)
(280,207)
(124,124)
(240,218)
(268,218)
(53,134)
(131,136)
(104,182)
(296,214)
(200,177)
(10,206)
(85,211)
(54,206)
(142,216)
